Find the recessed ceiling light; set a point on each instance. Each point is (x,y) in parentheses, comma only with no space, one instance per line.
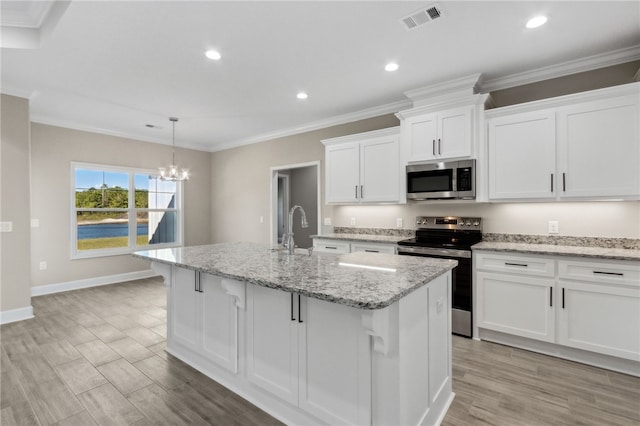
(302,95)
(391,66)
(212,54)
(537,21)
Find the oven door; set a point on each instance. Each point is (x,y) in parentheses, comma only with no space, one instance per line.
(430,181)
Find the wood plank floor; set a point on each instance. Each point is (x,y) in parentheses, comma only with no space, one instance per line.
(96,356)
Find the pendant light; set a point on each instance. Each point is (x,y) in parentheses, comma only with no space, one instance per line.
(171,173)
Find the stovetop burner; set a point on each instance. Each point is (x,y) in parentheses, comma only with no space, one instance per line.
(446,232)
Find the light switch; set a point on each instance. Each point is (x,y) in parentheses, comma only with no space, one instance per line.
(35,223)
(399,222)
(6,226)
(327,221)
(353,221)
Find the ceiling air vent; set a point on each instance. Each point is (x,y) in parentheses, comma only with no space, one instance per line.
(422,16)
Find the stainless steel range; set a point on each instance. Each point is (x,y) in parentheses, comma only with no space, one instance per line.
(449,237)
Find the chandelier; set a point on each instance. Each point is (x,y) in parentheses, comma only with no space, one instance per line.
(171,173)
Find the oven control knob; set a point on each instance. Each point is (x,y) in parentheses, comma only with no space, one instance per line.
(476,223)
(468,223)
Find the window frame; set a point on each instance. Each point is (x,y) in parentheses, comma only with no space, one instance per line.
(131,210)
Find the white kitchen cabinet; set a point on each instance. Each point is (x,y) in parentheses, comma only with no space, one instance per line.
(570,302)
(350,246)
(439,135)
(582,146)
(522,160)
(600,307)
(599,148)
(364,168)
(311,353)
(203,316)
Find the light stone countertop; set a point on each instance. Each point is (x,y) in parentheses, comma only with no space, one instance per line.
(346,279)
(369,238)
(560,250)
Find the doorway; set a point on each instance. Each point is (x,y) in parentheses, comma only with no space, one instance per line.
(295,184)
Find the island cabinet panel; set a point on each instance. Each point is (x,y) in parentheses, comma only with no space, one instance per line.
(272,342)
(203,317)
(311,353)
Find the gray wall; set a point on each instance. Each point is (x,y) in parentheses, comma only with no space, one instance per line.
(53,150)
(303,192)
(15,276)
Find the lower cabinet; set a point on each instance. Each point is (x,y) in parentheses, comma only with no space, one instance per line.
(576,303)
(313,354)
(204,317)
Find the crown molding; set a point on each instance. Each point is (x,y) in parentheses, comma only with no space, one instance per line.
(589,63)
(459,87)
(390,108)
(92,129)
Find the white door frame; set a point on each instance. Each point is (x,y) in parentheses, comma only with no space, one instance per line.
(273,178)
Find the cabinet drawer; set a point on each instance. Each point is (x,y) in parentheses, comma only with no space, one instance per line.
(623,273)
(524,265)
(331,246)
(373,248)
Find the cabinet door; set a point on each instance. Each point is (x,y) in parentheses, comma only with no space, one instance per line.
(343,173)
(380,170)
(420,135)
(599,153)
(516,305)
(272,343)
(522,159)
(184,303)
(219,323)
(335,364)
(600,318)
(454,136)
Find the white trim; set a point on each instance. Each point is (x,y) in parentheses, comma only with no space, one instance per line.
(322,124)
(589,63)
(18,93)
(382,133)
(90,282)
(13,315)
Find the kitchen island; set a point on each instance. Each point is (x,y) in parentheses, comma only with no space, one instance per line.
(360,338)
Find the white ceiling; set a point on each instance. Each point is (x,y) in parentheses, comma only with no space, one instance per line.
(114,67)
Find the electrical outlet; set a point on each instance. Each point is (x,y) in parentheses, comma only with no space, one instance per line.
(327,221)
(399,222)
(261,219)
(353,221)
(43,266)
(554,226)
(6,226)
(35,223)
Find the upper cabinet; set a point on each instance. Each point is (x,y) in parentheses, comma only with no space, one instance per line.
(584,146)
(440,135)
(364,168)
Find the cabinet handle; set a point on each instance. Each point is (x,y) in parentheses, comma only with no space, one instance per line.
(439,147)
(299,316)
(524,265)
(372,251)
(564,183)
(434,147)
(551,297)
(551,182)
(331,248)
(361,191)
(617,274)
(562,297)
(195,281)
(200,283)
(292,318)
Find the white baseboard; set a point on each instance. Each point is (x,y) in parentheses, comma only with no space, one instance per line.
(90,282)
(14,315)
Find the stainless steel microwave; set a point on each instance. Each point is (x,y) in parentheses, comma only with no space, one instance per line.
(454,180)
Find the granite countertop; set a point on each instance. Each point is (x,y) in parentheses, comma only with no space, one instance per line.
(560,250)
(346,279)
(369,238)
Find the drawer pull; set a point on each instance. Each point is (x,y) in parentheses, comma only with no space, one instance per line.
(563,298)
(372,251)
(523,265)
(551,297)
(617,274)
(331,247)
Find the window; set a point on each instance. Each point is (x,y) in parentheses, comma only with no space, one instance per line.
(119,210)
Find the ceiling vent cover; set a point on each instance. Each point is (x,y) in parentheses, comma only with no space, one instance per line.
(422,16)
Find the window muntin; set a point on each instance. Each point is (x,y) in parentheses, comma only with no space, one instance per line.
(119,210)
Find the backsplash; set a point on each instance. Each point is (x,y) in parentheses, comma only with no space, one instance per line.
(622,243)
(396,232)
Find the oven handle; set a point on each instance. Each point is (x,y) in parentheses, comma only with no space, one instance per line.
(428,251)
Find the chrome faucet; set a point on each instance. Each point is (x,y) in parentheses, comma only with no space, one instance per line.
(287,239)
